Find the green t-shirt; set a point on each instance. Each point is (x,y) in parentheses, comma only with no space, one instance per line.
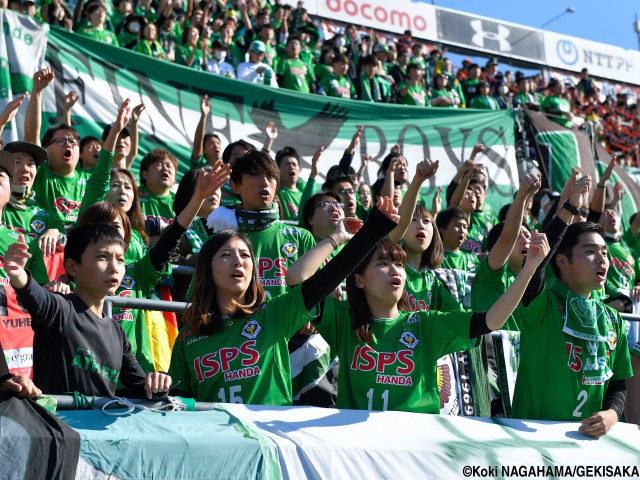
(62,197)
(151,48)
(337,87)
(104,35)
(481,223)
(484,103)
(464,263)
(183,53)
(416,95)
(488,286)
(559,104)
(139,279)
(156,207)
(136,249)
(248,362)
(470,88)
(289,203)
(551,383)
(296,74)
(623,269)
(423,292)
(397,370)
(32,222)
(450,94)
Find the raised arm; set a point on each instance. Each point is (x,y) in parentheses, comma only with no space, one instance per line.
(503,247)
(198,138)
(70,99)
(509,300)
(133,131)
(9,112)
(458,193)
(347,156)
(33,119)
(424,170)
(272,134)
(597,202)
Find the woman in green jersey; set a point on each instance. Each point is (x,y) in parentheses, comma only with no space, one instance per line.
(234,347)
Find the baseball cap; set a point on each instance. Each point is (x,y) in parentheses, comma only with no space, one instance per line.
(258,46)
(381,47)
(7,162)
(492,61)
(38,153)
(107,129)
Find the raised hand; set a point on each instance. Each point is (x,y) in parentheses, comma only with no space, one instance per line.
(477,149)
(16,257)
(42,79)
(272,131)
(70,99)
(618,193)
(385,205)
(124,114)
(538,249)
(606,175)
(11,109)
(355,140)
(395,148)
(205,105)
(529,185)
(579,195)
(427,168)
(209,182)
(436,203)
(314,162)
(137,111)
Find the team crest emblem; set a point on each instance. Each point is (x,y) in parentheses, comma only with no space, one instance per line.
(127,282)
(290,249)
(409,339)
(613,340)
(38,225)
(251,330)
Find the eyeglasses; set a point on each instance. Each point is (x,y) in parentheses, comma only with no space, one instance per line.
(327,205)
(63,141)
(347,191)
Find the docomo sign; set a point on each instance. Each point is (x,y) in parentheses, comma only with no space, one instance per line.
(404,15)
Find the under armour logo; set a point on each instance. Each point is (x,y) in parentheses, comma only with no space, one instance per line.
(500,37)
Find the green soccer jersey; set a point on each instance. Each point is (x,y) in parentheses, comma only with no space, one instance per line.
(156,207)
(416,95)
(136,249)
(623,269)
(556,374)
(488,286)
(248,362)
(62,197)
(183,54)
(139,279)
(397,370)
(484,103)
(289,203)
(481,223)
(337,87)
(296,74)
(33,221)
(464,263)
(423,292)
(104,35)
(450,94)
(558,104)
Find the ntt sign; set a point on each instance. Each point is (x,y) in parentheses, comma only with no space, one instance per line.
(396,16)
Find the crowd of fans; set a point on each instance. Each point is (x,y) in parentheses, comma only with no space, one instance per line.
(408,263)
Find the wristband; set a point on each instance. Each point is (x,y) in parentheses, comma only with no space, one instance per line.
(570,208)
(5,377)
(601,186)
(335,244)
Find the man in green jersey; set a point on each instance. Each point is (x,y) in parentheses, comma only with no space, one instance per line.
(292,72)
(97,14)
(556,106)
(412,91)
(288,161)
(573,349)
(158,176)
(336,83)
(452,225)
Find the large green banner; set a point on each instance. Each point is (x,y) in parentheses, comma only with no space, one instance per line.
(104,76)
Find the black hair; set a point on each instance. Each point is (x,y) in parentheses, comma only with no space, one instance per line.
(331,182)
(496,231)
(185,191)
(309,206)
(154,156)
(254,162)
(207,136)
(88,139)
(287,152)
(80,237)
(445,217)
(571,239)
(386,162)
(226,153)
(48,135)
(336,170)
(368,60)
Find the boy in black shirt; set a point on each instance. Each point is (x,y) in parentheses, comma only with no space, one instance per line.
(76,348)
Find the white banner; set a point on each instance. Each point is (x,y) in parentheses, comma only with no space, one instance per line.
(602,60)
(390,16)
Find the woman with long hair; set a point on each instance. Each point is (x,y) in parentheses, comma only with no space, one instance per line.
(234,347)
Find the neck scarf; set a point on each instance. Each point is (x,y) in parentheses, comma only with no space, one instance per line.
(586,320)
(236,218)
(22,197)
